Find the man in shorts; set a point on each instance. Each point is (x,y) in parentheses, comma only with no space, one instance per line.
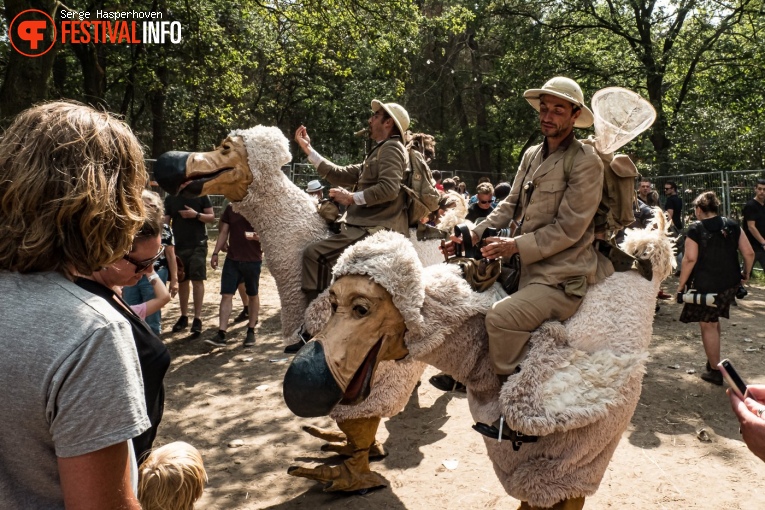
(189,217)
(242,265)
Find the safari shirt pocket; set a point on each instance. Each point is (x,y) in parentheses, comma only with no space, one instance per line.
(370,172)
(551,195)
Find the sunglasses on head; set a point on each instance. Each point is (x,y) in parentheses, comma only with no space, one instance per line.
(142,265)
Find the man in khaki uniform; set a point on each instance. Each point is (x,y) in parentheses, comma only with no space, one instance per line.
(554,215)
(376,201)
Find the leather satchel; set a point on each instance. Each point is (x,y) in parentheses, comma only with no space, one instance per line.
(479,272)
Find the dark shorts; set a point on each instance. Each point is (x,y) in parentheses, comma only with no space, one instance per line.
(703,313)
(235,273)
(194,262)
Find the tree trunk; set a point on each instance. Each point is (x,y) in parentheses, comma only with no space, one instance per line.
(26,79)
(157,99)
(659,138)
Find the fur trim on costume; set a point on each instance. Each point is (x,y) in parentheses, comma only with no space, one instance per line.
(455,215)
(560,388)
(641,243)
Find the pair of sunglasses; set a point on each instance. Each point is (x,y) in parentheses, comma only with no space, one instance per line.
(142,265)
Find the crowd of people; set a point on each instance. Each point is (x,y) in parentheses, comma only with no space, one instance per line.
(85,239)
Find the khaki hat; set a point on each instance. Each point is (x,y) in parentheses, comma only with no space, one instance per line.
(313,186)
(564,88)
(396,112)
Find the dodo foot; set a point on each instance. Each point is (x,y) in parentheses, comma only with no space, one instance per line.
(349,476)
(337,442)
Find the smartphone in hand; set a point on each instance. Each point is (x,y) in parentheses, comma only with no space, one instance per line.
(730,375)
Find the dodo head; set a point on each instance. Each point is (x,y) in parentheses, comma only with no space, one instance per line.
(227,170)
(376,298)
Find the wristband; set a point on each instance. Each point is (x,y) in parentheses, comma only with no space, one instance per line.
(153,277)
(198,214)
(215,254)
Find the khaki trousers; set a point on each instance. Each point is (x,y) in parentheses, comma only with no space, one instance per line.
(319,258)
(510,322)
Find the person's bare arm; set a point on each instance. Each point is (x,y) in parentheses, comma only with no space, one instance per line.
(161,294)
(755,233)
(98,480)
(689,261)
(172,268)
(207,216)
(750,418)
(745,248)
(219,244)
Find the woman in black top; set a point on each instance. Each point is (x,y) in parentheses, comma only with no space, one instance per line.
(152,353)
(711,265)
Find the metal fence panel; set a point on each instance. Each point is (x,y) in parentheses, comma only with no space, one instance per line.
(689,186)
(734,188)
(740,189)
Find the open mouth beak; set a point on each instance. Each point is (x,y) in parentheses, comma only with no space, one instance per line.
(170,170)
(192,187)
(310,390)
(170,173)
(361,384)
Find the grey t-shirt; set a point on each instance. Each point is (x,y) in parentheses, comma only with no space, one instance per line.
(70,383)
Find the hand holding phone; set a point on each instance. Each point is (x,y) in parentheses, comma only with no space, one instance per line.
(736,383)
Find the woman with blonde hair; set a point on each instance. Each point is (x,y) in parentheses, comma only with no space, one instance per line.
(70,204)
(711,266)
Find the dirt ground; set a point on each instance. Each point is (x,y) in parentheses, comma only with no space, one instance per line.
(682,449)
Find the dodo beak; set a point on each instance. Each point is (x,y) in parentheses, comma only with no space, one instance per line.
(170,171)
(309,388)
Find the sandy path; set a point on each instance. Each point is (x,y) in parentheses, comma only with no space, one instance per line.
(220,395)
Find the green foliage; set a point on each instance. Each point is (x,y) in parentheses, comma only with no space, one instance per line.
(460,68)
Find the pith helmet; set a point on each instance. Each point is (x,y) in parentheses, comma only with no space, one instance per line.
(396,112)
(564,88)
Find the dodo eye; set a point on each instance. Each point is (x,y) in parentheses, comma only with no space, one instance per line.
(360,310)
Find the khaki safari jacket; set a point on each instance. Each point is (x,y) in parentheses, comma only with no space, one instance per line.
(379,177)
(555,241)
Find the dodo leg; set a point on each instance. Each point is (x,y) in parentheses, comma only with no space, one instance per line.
(337,442)
(354,473)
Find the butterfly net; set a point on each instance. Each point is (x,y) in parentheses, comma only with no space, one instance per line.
(620,115)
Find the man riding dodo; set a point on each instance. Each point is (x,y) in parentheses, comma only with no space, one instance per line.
(551,216)
(376,201)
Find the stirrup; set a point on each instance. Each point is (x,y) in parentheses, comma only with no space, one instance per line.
(516,438)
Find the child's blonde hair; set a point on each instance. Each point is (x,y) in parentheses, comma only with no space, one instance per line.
(172,477)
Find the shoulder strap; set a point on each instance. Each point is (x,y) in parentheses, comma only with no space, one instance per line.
(568,157)
(523,181)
